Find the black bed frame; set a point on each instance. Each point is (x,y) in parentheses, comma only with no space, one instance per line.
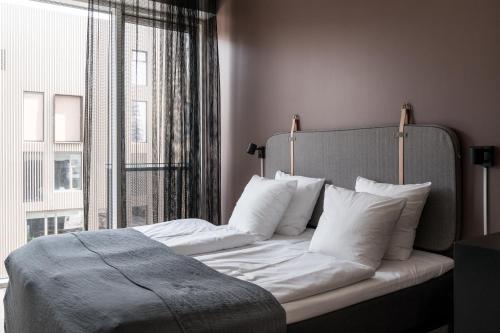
(420,308)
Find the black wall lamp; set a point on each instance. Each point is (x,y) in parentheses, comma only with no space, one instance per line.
(484,156)
(261,154)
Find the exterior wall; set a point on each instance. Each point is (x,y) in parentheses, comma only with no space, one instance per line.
(45,52)
(45,47)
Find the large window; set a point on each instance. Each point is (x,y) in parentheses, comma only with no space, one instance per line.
(33,116)
(67,171)
(139,121)
(67,118)
(53,223)
(139,68)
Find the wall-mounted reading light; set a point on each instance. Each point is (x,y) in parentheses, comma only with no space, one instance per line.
(261,154)
(484,156)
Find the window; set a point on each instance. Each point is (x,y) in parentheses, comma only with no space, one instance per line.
(69,221)
(139,68)
(67,118)
(33,116)
(102,215)
(139,215)
(53,223)
(35,227)
(32,176)
(139,121)
(67,171)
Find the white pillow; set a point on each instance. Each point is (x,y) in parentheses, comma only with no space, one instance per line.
(301,207)
(355,226)
(261,205)
(403,236)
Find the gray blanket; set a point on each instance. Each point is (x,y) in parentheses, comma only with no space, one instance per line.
(122,281)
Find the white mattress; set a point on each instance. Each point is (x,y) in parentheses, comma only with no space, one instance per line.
(276,266)
(306,284)
(390,277)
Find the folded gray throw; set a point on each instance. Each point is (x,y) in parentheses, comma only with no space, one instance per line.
(123,281)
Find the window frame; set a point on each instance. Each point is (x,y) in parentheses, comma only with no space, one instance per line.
(146,132)
(54,119)
(56,190)
(136,51)
(55,214)
(43,114)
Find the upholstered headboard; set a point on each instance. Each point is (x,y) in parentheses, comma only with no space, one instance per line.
(432,153)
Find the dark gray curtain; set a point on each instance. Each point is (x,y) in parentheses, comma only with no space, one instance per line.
(152,67)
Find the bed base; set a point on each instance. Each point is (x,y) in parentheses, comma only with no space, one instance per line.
(420,308)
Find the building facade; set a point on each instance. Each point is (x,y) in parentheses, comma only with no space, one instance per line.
(42,89)
(43,50)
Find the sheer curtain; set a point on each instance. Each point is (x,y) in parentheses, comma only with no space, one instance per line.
(152,68)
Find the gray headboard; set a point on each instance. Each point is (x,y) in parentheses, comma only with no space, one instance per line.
(432,153)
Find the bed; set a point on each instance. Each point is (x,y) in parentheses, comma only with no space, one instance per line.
(392,277)
(299,280)
(315,293)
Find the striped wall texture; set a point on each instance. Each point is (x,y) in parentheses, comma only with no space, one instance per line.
(43,50)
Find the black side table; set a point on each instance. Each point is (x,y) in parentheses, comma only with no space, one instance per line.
(477,285)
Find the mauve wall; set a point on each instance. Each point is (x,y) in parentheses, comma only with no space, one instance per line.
(341,64)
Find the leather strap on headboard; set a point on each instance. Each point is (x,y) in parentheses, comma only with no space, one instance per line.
(295,128)
(401,135)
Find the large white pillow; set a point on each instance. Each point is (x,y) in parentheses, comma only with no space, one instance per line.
(301,207)
(261,205)
(403,236)
(355,226)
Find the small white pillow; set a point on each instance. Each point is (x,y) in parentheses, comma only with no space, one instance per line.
(261,205)
(403,236)
(301,207)
(355,226)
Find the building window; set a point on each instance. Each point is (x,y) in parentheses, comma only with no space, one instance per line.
(32,176)
(139,68)
(139,215)
(53,223)
(35,227)
(67,171)
(33,116)
(69,221)
(67,118)
(139,121)
(102,215)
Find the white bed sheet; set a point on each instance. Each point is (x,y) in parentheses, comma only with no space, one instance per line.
(306,284)
(284,267)
(310,284)
(390,277)
(195,236)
